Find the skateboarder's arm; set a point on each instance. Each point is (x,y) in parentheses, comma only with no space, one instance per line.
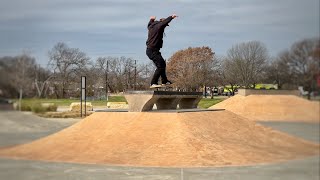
(168,20)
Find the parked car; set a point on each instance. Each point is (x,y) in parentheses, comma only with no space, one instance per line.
(5,104)
(215,91)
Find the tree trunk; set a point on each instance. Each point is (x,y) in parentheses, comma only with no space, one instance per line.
(20,98)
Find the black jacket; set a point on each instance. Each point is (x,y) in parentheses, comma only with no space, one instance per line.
(155,34)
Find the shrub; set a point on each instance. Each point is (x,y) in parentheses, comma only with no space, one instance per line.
(38,108)
(24,106)
(52,108)
(41,108)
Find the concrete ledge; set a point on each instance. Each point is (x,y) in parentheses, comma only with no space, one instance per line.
(140,101)
(76,106)
(117,105)
(247,92)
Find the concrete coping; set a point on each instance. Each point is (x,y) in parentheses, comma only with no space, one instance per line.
(175,93)
(247,92)
(163,111)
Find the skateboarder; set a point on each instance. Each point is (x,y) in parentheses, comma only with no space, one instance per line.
(154,44)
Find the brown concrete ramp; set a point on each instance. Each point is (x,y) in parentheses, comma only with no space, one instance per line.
(273,108)
(209,138)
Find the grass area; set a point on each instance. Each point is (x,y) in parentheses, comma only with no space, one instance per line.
(206,103)
(67,102)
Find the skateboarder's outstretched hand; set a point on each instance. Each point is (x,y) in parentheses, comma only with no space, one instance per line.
(174,16)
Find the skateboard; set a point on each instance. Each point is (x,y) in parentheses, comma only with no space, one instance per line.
(163,87)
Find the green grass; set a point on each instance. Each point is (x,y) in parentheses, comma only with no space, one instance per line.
(59,102)
(67,102)
(206,103)
(117,99)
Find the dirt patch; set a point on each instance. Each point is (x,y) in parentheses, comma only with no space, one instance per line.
(273,108)
(212,138)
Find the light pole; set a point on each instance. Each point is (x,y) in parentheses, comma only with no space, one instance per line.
(107,69)
(135,74)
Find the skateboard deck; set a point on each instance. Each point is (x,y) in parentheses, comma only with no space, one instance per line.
(162,87)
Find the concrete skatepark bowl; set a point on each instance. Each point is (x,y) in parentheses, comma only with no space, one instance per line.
(166,139)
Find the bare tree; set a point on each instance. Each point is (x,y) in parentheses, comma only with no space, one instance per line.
(128,72)
(303,63)
(102,66)
(17,75)
(7,74)
(247,61)
(278,71)
(298,66)
(144,75)
(42,78)
(229,74)
(67,65)
(121,73)
(23,79)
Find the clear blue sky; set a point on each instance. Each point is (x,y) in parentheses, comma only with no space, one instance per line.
(118,27)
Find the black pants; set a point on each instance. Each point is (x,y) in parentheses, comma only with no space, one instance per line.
(155,56)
